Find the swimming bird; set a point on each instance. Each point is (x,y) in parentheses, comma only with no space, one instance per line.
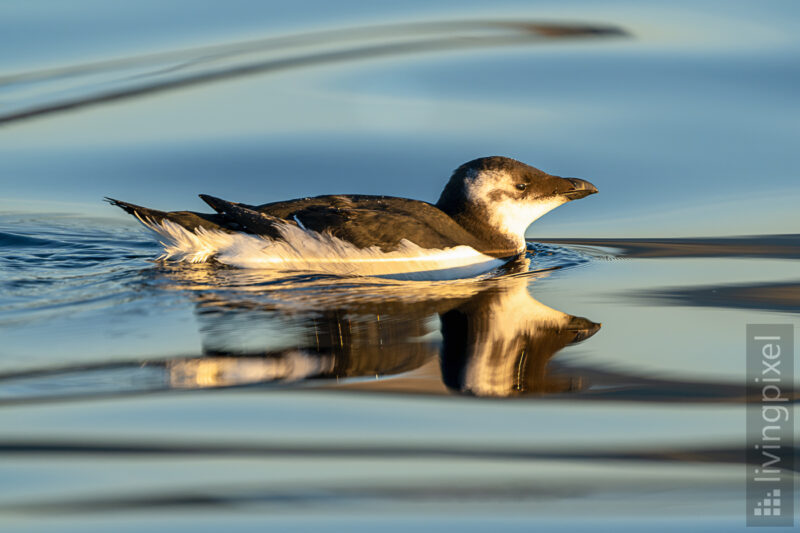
(477,224)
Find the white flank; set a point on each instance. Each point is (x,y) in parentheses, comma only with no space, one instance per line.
(309,251)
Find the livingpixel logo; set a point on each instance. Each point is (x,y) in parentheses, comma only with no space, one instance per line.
(770,425)
(770,505)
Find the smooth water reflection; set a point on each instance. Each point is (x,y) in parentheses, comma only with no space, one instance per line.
(43,92)
(489,337)
(496,339)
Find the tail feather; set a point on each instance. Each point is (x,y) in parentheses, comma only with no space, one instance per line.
(143,213)
(186,219)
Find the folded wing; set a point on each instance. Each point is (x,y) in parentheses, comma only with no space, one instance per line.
(367,221)
(364,221)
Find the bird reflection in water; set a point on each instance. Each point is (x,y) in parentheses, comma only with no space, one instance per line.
(488,337)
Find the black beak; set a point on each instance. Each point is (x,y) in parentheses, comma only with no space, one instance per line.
(579,189)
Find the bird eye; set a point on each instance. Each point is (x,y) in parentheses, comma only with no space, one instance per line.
(522,186)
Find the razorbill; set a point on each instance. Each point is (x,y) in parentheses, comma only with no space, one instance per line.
(478,224)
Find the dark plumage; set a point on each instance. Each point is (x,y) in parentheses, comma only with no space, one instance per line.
(464,215)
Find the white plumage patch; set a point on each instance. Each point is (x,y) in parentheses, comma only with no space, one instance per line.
(513,217)
(302,250)
(510,217)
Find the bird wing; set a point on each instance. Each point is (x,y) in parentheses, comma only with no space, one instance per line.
(364,221)
(367,221)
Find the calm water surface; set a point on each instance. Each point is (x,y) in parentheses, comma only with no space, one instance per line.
(596,382)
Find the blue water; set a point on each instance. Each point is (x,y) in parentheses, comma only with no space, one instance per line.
(596,383)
